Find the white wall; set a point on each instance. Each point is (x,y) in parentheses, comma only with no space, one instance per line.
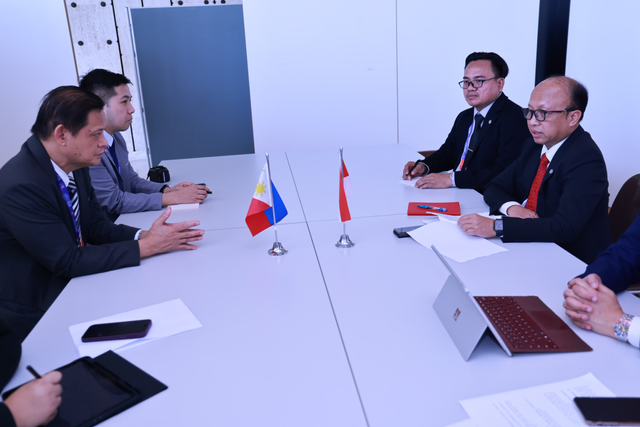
(36,57)
(604,54)
(435,37)
(325,76)
(321,74)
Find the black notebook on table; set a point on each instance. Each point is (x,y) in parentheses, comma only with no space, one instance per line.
(97,389)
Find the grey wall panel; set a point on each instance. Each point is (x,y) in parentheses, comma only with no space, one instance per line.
(194,80)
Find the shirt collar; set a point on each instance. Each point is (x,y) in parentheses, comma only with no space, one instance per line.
(108,137)
(550,152)
(485,110)
(63,176)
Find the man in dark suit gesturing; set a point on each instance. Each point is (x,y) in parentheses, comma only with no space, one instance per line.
(557,190)
(51,226)
(485,139)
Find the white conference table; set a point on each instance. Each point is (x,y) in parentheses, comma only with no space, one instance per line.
(232,180)
(375,173)
(268,353)
(321,336)
(408,371)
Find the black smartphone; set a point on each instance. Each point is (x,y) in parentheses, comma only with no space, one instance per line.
(403,232)
(598,411)
(117,331)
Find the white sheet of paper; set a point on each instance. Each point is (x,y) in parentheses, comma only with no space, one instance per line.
(541,406)
(411,183)
(453,243)
(185,206)
(168,318)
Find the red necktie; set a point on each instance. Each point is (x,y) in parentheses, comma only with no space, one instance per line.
(532,201)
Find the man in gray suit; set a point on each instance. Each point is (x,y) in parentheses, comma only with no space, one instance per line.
(118,187)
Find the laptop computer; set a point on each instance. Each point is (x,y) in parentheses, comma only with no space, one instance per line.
(522,324)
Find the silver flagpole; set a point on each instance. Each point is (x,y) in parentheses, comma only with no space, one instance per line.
(344,241)
(277,249)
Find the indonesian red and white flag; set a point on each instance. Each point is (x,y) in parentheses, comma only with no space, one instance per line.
(346,190)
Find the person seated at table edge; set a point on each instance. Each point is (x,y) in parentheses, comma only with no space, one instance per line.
(557,189)
(51,226)
(35,403)
(593,306)
(484,140)
(118,187)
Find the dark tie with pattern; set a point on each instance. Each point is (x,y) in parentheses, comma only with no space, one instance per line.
(75,203)
(476,131)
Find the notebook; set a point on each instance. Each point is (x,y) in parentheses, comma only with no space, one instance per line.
(94,390)
(520,324)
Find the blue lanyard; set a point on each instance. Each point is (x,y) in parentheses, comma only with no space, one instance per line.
(67,198)
(466,145)
(112,151)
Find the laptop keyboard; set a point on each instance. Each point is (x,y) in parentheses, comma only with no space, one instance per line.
(514,324)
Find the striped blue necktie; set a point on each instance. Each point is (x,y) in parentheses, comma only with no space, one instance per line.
(75,203)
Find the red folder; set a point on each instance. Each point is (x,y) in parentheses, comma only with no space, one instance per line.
(453,208)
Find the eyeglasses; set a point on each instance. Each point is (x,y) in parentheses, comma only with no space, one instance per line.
(475,83)
(540,114)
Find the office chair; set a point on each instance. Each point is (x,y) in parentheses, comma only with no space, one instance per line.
(625,207)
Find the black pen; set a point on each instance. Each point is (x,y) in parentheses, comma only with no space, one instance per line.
(208,192)
(413,167)
(33,372)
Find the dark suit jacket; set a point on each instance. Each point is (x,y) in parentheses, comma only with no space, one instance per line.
(10,351)
(572,202)
(498,145)
(38,241)
(619,265)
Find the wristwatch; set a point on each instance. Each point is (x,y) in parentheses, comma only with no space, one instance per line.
(621,328)
(164,187)
(498,227)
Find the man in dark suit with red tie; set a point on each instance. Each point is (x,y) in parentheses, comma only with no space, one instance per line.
(557,190)
(484,140)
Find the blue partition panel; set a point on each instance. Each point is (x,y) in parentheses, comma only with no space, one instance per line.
(194,80)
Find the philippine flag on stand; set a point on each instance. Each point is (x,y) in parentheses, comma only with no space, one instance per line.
(346,190)
(260,215)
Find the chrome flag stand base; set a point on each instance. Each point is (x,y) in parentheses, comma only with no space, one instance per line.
(277,250)
(345,242)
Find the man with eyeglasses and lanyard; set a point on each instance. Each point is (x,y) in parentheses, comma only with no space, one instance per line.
(557,190)
(484,140)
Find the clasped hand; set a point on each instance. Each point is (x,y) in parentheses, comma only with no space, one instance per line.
(185,192)
(591,305)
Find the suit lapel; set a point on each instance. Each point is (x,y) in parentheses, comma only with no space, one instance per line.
(562,151)
(114,166)
(492,115)
(43,159)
